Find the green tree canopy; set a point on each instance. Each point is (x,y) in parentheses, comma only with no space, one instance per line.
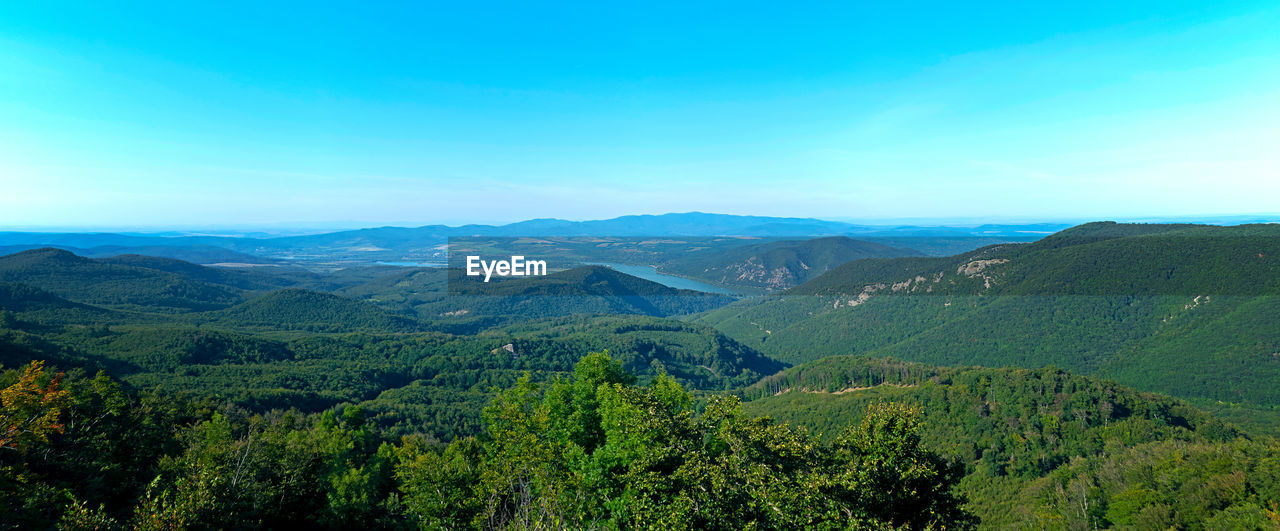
(594,450)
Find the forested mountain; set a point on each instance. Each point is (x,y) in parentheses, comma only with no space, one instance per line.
(429,243)
(1027,438)
(672,224)
(587,281)
(156,284)
(1175,309)
(468,304)
(98,282)
(197,254)
(296,309)
(368,396)
(455,381)
(248,278)
(308,350)
(778,265)
(23,298)
(1093,259)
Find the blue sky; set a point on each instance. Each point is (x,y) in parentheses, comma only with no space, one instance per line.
(244,114)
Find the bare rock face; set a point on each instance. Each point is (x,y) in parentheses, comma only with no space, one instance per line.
(972,269)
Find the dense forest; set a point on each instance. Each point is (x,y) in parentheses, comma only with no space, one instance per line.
(777,265)
(1010,386)
(1183,310)
(1024,436)
(310,350)
(590,449)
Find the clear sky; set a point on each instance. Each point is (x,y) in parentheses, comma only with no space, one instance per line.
(175,114)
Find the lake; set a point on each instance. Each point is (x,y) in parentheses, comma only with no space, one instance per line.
(651,274)
(413,264)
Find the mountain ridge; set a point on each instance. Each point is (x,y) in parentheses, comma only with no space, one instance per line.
(1180,310)
(367,241)
(780,264)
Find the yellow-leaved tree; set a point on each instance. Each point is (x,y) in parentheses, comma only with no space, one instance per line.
(30,410)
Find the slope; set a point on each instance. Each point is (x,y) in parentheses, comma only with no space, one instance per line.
(260,278)
(466,304)
(296,309)
(1187,310)
(116,284)
(777,265)
(1018,432)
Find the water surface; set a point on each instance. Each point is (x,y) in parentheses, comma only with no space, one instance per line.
(651,274)
(413,264)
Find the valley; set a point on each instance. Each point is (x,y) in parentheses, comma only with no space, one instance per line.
(600,266)
(1031,368)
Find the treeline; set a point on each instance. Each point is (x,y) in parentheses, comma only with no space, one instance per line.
(587,450)
(430,383)
(1216,348)
(778,265)
(1098,259)
(296,309)
(841,373)
(116,284)
(696,355)
(1021,422)
(1039,445)
(1162,485)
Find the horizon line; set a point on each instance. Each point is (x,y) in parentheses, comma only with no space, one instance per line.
(322,227)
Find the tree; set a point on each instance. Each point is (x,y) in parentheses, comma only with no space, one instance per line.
(597,451)
(30,409)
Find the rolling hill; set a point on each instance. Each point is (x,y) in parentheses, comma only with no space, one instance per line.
(262,277)
(1094,259)
(396,352)
(152,283)
(297,309)
(465,305)
(779,265)
(587,289)
(115,284)
(23,298)
(427,242)
(36,306)
(197,254)
(1184,310)
(1027,437)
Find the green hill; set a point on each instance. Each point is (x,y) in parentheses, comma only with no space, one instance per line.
(1094,259)
(296,309)
(455,379)
(1184,310)
(23,298)
(694,354)
(585,281)
(1020,432)
(778,265)
(24,304)
(466,304)
(116,284)
(257,278)
(198,254)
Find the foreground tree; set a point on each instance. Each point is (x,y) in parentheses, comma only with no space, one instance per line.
(590,451)
(595,451)
(30,408)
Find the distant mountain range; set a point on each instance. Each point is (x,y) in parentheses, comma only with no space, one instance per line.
(427,242)
(199,254)
(288,298)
